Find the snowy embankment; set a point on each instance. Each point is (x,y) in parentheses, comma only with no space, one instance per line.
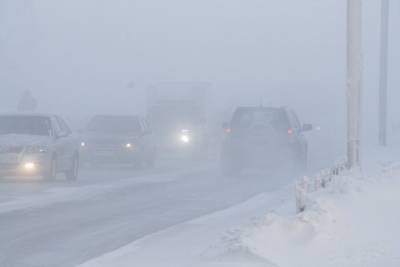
(352,222)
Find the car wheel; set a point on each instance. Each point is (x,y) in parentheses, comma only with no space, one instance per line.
(72,173)
(51,173)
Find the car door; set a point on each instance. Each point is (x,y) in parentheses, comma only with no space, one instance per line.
(146,138)
(63,144)
(72,144)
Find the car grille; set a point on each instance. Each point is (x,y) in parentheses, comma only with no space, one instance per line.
(104,148)
(11,150)
(4,167)
(106,144)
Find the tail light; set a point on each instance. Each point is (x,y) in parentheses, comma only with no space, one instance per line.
(228,130)
(290,131)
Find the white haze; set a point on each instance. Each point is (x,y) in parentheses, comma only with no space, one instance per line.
(81,57)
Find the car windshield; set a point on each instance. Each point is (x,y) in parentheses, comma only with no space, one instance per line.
(169,116)
(26,125)
(115,124)
(269,119)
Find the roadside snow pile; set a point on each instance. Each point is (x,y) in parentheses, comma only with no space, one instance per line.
(351,223)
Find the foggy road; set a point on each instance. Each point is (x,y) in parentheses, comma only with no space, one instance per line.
(66,233)
(144,118)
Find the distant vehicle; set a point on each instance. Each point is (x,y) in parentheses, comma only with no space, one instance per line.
(37,145)
(118,139)
(177,113)
(27,103)
(263,137)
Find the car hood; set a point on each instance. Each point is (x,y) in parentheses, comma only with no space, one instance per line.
(9,140)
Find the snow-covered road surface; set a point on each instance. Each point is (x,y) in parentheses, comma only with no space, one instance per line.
(109,209)
(353,222)
(209,241)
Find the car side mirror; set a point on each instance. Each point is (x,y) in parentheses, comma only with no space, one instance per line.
(307,127)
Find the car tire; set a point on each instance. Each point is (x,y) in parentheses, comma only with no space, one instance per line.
(72,173)
(51,173)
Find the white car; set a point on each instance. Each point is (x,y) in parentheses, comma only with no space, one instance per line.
(37,145)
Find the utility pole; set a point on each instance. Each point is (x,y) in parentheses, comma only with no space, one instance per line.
(354,82)
(383,73)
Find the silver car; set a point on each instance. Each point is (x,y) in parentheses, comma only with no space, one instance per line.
(118,139)
(37,145)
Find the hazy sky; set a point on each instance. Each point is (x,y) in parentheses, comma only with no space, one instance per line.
(84,53)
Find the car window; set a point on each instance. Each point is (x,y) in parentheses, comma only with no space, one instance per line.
(56,127)
(63,126)
(27,125)
(115,124)
(260,118)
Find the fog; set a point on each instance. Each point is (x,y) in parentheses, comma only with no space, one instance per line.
(184,148)
(81,58)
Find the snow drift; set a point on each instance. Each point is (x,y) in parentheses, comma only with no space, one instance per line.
(351,223)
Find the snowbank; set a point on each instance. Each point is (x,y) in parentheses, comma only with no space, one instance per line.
(355,224)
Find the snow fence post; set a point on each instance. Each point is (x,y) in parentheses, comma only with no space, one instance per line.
(300,194)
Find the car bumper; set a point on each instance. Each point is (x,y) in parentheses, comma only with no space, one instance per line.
(111,156)
(23,169)
(260,157)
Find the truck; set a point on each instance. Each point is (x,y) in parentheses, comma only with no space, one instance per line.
(176,112)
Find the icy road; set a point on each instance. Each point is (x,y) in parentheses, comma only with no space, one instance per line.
(62,224)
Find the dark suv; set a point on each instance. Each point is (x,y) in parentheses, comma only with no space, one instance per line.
(264,137)
(118,139)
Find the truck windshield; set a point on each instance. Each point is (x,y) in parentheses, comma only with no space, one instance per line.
(115,124)
(169,116)
(26,125)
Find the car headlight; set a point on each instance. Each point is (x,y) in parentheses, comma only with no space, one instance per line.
(185,138)
(29,166)
(83,144)
(37,149)
(129,146)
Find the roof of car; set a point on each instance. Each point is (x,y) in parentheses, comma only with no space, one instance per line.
(23,114)
(258,108)
(116,116)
